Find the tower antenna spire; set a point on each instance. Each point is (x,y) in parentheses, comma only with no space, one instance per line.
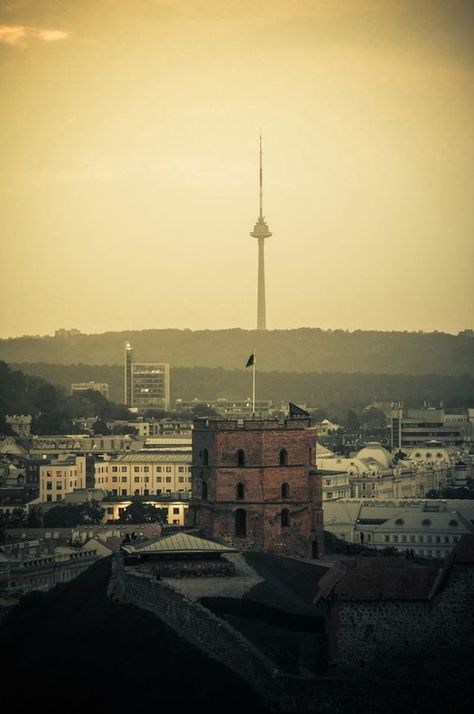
(261,178)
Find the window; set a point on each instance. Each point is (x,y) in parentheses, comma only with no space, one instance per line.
(146,469)
(399,522)
(137,492)
(181,469)
(204,491)
(124,491)
(49,497)
(453,523)
(168,469)
(240,458)
(114,469)
(158,468)
(181,479)
(159,479)
(49,485)
(114,479)
(176,511)
(136,479)
(205,457)
(387,539)
(285,490)
(124,469)
(240,491)
(240,523)
(136,469)
(124,479)
(283,457)
(426,522)
(168,479)
(285,518)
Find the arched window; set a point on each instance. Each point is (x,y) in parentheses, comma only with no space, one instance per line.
(240,490)
(285,490)
(205,457)
(137,492)
(240,458)
(240,523)
(285,518)
(283,457)
(204,491)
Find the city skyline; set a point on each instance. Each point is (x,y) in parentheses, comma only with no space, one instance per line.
(128,141)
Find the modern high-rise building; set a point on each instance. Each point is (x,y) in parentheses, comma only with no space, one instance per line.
(260,232)
(416,427)
(147,384)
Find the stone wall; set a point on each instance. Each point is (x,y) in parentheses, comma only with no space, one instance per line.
(215,637)
(364,631)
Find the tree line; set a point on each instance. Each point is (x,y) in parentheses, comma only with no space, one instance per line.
(299,350)
(334,391)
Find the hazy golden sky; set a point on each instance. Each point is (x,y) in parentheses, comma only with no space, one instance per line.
(128,163)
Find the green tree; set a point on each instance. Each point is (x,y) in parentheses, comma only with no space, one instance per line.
(35,517)
(91,512)
(17,519)
(100,427)
(140,512)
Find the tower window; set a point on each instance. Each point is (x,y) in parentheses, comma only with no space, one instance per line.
(240,491)
(285,490)
(240,523)
(283,457)
(285,518)
(240,458)
(205,457)
(204,491)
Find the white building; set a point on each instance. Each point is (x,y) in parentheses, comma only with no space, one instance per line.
(145,473)
(430,528)
(58,478)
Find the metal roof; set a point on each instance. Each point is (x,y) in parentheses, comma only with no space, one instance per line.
(178,543)
(152,456)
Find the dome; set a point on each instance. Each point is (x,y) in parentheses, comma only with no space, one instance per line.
(374,451)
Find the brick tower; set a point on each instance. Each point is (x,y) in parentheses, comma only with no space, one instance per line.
(253,485)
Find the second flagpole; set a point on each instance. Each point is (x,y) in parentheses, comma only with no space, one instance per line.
(253,385)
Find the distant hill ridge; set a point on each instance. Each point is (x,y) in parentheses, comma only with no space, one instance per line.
(299,350)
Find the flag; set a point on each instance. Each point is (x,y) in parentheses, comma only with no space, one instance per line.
(296,411)
(251,360)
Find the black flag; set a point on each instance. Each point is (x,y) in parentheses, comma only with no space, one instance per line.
(296,411)
(251,360)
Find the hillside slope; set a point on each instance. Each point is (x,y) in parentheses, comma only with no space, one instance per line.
(301,350)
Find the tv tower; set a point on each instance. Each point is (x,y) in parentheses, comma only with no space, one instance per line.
(261,232)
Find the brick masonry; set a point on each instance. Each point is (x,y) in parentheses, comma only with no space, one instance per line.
(217,477)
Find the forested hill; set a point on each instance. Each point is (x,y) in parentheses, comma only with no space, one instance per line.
(301,350)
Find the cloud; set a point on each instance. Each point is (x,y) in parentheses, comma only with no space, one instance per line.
(18,35)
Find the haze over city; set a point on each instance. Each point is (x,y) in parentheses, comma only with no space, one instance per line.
(129,140)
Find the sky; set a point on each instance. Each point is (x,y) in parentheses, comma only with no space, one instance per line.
(129,163)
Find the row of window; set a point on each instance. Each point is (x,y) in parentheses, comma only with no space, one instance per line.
(420,539)
(145,479)
(146,492)
(240,491)
(137,469)
(241,458)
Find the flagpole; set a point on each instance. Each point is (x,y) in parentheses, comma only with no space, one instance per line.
(253,385)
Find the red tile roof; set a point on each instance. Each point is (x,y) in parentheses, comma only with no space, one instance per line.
(379,579)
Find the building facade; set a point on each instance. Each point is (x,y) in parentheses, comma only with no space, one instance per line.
(146,384)
(417,427)
(145,473)
(254,487)
(101,387)
(58,478)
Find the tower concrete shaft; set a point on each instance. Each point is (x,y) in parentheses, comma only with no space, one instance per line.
(261,232)
(261,310)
